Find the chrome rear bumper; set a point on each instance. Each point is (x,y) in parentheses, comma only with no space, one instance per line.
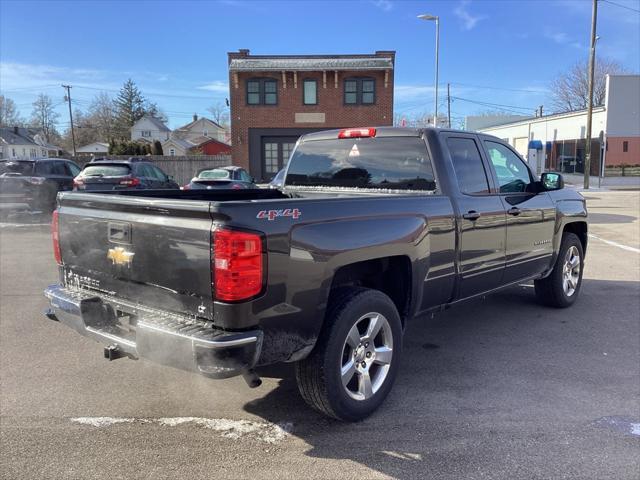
(167,338)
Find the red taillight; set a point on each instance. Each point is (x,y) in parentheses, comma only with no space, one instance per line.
(236,264)
(130,182)
(55,235)
(186,187)
(236,186)
(357,133)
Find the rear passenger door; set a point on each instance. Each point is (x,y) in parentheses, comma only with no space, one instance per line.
(481,218)
(530,215)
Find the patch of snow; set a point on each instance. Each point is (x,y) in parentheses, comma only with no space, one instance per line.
(635,429)
(102,421)
(264,431)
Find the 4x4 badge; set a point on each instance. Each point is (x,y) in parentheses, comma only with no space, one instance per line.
(273,214)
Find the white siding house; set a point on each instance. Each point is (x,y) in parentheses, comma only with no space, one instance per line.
(22,143)
(201,127)
(95,148)
(149,129)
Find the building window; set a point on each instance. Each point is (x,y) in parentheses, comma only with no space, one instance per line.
(625,146)
(146,133)
(310,92)
(172,152)
(13,152)
(262,91)
(205,133)
(44,153)
(32,152)
(271,158)
(359,91)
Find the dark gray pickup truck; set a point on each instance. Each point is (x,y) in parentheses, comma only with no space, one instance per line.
(372,228)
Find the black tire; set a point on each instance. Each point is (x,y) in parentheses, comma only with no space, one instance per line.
(550,291)
(319,375)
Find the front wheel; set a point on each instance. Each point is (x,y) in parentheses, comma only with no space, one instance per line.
(355,361)
(561,288)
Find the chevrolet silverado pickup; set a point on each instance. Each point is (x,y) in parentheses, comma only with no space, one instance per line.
(372,227)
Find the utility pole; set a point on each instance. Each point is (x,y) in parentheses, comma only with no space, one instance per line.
(73,135)
(592,61)
(541,110)
(449,104)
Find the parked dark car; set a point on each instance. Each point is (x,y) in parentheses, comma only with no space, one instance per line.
(122,175)
(373,227)
(33,184)
(223,177)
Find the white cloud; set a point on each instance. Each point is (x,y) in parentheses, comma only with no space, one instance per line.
(384,5)
(216,86)
(561,38)
(469,21)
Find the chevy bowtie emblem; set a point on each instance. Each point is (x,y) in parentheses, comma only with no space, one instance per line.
(119,256)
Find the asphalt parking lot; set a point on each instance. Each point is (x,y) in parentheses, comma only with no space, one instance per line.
(501,388)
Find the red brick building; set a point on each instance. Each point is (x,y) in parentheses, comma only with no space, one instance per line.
(276,98)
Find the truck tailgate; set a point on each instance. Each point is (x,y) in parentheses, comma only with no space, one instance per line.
(154,252)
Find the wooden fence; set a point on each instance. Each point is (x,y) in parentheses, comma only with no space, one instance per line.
(181,168)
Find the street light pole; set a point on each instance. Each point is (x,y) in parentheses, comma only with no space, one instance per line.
(436,19)
(592,61)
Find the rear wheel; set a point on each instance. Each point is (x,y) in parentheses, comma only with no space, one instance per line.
(354,364)
(561,288)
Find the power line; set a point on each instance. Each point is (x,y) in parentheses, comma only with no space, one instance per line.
(489,104)
(621,6)
(486,87)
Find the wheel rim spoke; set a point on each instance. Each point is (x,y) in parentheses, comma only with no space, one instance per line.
(575,262)
(364,384)
(348,370)
(383,355)
(353,339)
(375,324)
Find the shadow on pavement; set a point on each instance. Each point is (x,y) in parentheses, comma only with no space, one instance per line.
(603,218)
(478,384)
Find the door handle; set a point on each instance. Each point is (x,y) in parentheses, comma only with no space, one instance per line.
(515,211)
(471,215)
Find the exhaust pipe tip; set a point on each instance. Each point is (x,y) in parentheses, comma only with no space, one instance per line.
(252,378)
(51,315)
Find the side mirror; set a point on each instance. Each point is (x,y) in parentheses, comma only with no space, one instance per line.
(551,181)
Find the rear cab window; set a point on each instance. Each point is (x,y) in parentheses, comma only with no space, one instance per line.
(394,163)
(106,170)
(467,163)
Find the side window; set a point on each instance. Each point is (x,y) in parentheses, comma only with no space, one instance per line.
(244,176)
(74,170)
(467,163)
(145,171)
(159,174)
(513,175)
(44,168)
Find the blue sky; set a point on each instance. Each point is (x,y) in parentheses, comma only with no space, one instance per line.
(501,52)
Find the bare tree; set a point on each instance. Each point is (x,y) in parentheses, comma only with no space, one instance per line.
(219,113)
(9,116)
(102,116)
(44,116)
(569,90)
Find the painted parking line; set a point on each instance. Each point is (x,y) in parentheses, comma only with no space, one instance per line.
(615,244)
